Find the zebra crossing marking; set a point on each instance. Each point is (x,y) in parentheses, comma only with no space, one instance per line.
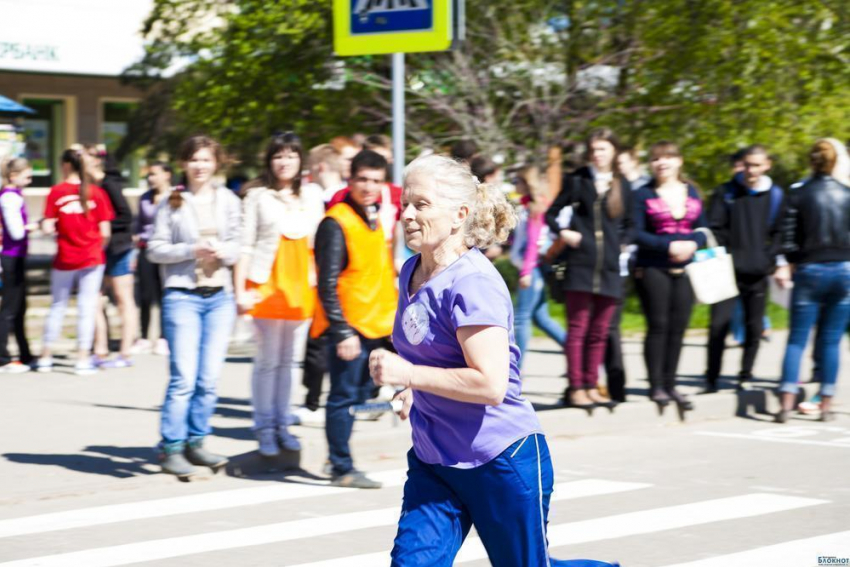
(612,527)
(841,443)
(795,553)
(274,533)
(154,550)
(203,502)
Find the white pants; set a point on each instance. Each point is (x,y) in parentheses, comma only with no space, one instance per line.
(278,369)
(88,281)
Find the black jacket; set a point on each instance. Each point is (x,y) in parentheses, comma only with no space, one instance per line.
(594,266)
(748,224)
(122,225)
(816,226)
(331,259)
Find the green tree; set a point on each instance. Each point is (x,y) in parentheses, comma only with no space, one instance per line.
(712,75)
(244,69)
(733,73)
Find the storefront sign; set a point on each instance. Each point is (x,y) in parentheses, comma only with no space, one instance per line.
(25,51)
(62,37)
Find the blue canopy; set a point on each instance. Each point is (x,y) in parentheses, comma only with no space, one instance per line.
(9,106)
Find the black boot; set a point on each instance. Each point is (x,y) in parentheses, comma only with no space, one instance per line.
(199,456)
(172,461)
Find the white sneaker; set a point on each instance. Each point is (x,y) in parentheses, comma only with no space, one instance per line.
(268,443)
(14,368)
(43,365)
(141,346)
(85,368)
(306,415)
(161,348)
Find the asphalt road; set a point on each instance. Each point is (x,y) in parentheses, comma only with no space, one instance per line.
(77,486)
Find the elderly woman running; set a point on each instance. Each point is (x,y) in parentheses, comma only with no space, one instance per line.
(479,456)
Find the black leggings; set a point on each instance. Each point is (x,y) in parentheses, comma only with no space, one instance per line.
(148,290)
(667,301)
(754,299)
(13,308)
(615,369)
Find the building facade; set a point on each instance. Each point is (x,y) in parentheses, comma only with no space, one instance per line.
(63,59)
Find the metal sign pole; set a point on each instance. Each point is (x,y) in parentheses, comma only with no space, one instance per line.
(398,117)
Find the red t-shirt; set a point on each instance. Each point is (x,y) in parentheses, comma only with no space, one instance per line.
(77,234)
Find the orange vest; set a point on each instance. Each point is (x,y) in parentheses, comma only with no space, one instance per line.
(366,287)
(289,293)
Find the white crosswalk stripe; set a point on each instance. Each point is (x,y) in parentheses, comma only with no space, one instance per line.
(273,533)
(204,502)
(642,522)
(623,525)
(795,553)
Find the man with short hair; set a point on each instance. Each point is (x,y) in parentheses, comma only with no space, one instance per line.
(389,201)
(358,300)
(745,215)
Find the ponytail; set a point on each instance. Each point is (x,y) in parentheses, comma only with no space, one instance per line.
(491,220)
(74,157)
(84,186)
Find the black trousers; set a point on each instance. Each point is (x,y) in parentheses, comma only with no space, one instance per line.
(148,291)
(315,366)
(667,300)
(754,299)
(615,370)
(13,308)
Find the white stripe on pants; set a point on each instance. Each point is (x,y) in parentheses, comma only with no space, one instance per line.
(88,281)
(278,368)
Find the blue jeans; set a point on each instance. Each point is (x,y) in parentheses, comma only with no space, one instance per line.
(197,330)
(507,500)
(821,294)
(351,384)
(532,307)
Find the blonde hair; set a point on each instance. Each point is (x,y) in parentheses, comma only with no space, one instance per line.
(12,166)
(491,218)
(325,154)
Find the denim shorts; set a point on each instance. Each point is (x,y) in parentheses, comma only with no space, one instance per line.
(119,264)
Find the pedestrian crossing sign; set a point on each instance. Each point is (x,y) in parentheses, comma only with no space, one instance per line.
(366,27)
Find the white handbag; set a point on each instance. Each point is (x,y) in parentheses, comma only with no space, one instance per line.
(712,272)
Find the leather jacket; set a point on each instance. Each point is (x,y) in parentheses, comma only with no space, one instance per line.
(331,260)
(816,227)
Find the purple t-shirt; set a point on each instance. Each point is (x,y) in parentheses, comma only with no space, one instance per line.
(447,432)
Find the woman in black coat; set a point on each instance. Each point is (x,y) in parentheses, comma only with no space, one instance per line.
(600,225)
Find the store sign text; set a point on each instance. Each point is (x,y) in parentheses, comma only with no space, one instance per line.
(19,51)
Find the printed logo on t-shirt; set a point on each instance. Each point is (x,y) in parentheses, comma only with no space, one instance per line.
(70,205)
(414,322)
